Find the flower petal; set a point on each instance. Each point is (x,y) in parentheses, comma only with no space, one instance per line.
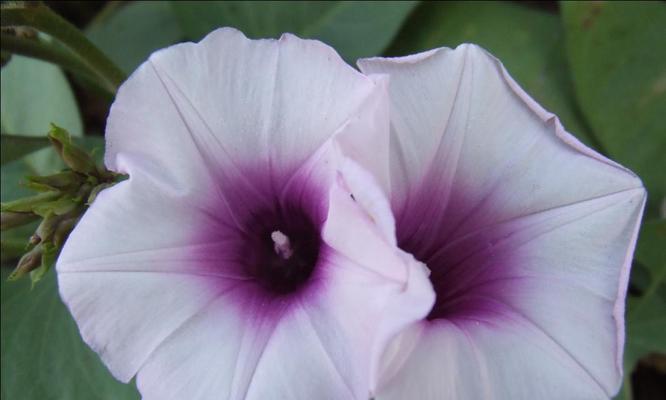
(329,347)
(392,287)
(561,288)
(213,355)
(536,229)
(209,133)
(188,111)
(489,362)
(341,334)
(112,271)
(457,116)
(364,139)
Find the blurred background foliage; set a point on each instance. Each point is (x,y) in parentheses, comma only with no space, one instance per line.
(600,66)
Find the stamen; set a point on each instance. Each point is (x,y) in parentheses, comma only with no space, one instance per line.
(282,245)
(427,270)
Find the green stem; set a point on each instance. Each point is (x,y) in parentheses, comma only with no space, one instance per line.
(37,48)
(44,20)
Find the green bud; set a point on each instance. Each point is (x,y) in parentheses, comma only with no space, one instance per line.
(109,176)
(34,240)
(93,180)
(61,206)
(47,228)
(75,158)
(30,261)
(83,192)
(63,230)
(96,190)
(10,219)
(78,160)
(59,137)
(63,181)
(49,255)
(28,204)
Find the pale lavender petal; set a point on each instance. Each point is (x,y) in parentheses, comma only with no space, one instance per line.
(220,251)
(485,361)
(517,220)
(112,270)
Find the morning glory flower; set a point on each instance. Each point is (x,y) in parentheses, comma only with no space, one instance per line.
(528,235)
(234,263)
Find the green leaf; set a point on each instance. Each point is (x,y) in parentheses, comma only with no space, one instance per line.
(43,356)
(354,28)
(651,251)
(11,175)
(618,62)
(527,41)
(34,94)
(646,315)
(135,30)
(14,147)
(13,242)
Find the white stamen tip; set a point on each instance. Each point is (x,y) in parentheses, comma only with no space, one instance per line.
(281,244)
(426,269)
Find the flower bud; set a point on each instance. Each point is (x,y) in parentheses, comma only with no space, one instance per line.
(47,227)
(60,206)
(96,191)
(34,240)
(49,255)
(27,263)
(10,219)
(28,204)
(64,181)
(63,230)
(75,158)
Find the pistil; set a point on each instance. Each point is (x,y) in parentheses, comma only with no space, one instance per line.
(282,245)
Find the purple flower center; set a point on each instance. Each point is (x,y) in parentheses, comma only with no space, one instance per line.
(263,238)
(472,267)
(282,248)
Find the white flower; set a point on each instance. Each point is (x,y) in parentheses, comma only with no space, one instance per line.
(234,263)
(528,233)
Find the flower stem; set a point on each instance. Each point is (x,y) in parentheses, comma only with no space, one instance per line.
(40,49)
(43,19)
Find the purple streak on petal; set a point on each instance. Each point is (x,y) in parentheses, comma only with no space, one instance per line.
(244,210)
(471,268)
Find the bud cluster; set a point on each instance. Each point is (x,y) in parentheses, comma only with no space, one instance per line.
(61,200)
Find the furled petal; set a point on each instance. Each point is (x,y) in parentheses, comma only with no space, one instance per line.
(362,247)
(220,139)
(356,300)
(529,234)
